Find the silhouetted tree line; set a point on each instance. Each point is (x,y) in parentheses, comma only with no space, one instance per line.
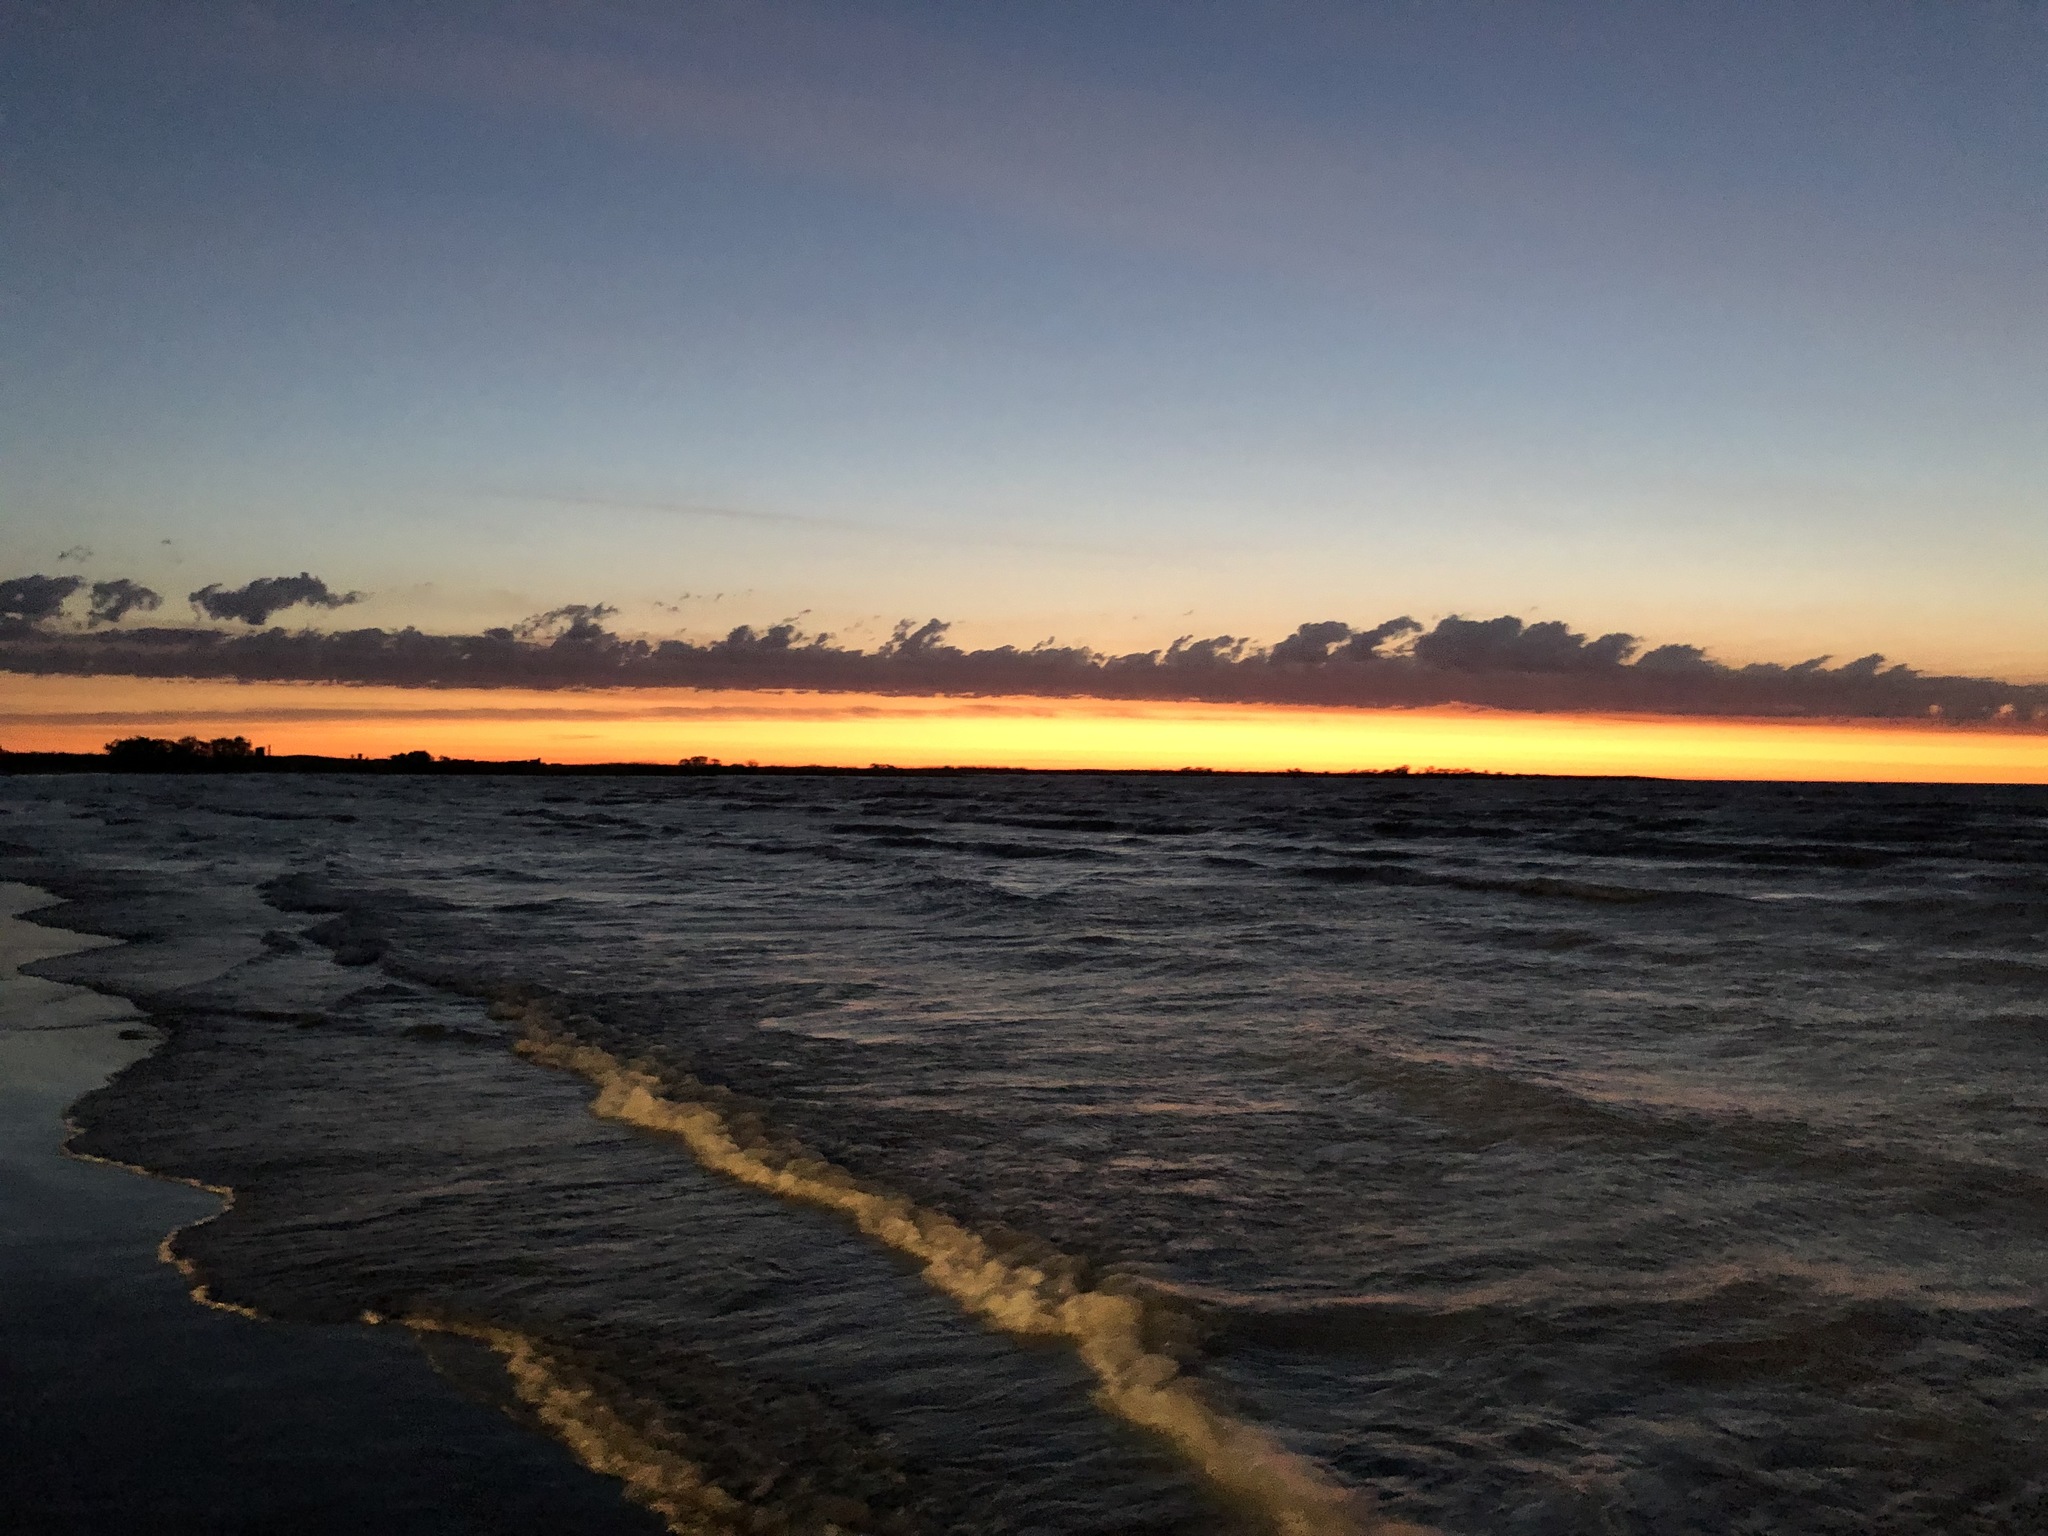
(130,751)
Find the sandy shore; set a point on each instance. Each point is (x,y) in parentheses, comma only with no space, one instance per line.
(126,1406)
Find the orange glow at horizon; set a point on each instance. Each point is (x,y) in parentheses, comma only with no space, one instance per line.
(663,725)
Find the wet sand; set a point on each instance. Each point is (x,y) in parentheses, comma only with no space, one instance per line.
(125,1405)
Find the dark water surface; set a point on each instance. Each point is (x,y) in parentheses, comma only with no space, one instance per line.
(1525,1156)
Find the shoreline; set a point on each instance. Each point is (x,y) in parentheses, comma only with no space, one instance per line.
(131,1407)
(794,1437)
(261,761)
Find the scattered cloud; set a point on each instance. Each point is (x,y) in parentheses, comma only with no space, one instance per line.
(29,601)
(860,527)
(113,601)
(255,603)
(575,623)
(1502,662)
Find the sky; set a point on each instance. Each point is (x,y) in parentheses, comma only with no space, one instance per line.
(740,726)
(1101,322)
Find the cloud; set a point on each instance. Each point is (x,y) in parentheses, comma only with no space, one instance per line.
(113,601)
(1227,176)
(576,623)
(1314,644)
(29,601)
(875,102)
(1507,644)
(861,527)
(1501,662)
(255,603)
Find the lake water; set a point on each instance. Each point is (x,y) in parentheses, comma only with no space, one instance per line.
(1173,1153)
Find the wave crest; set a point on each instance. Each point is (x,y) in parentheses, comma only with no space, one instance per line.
(601,1438)
(1108,1329)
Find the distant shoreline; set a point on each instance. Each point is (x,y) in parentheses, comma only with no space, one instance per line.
(411,764)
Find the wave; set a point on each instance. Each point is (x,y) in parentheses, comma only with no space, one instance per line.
(2021,1024)
(196,1286)
(167,1248)
(974,890)
(1994,971)
(1835,1349)
(987,848)
(1533,885)
(1482,1103)
(704,1452)
(1385,1329)
(604,1439)
(1113,1331)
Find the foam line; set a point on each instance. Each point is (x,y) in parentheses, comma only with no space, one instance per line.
(167,1249)
(1295,1496)
(670,1485)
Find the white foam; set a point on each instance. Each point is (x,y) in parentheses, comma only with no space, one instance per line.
(1106,1329)
(671,1485)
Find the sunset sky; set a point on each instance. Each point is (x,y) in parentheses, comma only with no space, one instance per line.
(861,730)
(1107,322)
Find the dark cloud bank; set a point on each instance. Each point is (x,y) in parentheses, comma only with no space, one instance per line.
(1502,662)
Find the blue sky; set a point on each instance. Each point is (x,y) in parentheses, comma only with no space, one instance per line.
(1113,322)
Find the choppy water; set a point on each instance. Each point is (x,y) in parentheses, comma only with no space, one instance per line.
(1174,1153)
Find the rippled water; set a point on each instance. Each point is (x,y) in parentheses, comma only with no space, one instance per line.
(1492,1155)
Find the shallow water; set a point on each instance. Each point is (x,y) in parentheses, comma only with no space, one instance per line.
(126,1408)
(1520,1155)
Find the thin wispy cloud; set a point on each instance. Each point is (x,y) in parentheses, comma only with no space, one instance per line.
(1405,216)
(670,508)
(895,532)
